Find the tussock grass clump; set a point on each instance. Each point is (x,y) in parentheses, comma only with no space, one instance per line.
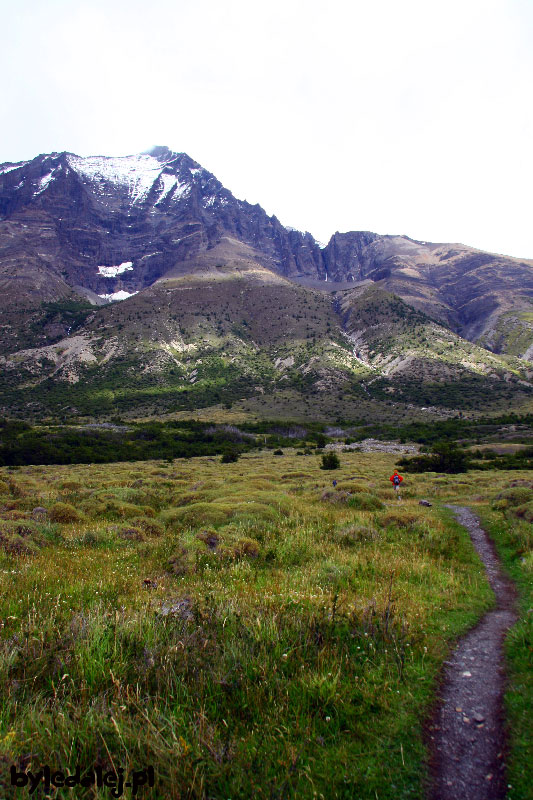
(15,489)
(71,486)
(149,526)
(512,497)
(14,514)
(399,519)
(113,508)
(63,513)
(196,514)
(352,487)
(354,535)
(246,548)
(210,538)
(179,562)
(18,545)
(22,527)
(131,534)
(364,501)
(525,512)
(94,538)
(28,535)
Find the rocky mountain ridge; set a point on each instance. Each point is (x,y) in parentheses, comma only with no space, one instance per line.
(222,303)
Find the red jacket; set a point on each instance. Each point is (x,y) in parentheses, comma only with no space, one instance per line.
(396,475)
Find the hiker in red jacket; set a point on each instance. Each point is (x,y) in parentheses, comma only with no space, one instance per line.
(396,479)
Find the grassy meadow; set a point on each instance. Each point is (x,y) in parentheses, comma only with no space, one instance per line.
(247,629)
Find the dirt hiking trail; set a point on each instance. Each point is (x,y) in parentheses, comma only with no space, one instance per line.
(466,735)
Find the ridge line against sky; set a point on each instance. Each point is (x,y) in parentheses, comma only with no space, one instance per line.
(411,118)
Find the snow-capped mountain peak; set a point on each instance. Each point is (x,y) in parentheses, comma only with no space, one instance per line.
(116,224)
(160,174)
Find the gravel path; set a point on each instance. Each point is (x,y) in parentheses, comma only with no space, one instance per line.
(466,736)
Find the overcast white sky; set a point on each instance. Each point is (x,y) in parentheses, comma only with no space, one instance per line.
(396,116)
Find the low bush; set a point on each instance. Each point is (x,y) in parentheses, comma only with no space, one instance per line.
(330,461)
(229,458)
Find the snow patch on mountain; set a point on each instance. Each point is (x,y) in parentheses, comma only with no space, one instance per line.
(117,296)
(136,173)
(213,199)
(43,183)
(172,186)
(112,272)
(9,167)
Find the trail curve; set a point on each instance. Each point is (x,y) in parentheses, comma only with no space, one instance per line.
(467,733)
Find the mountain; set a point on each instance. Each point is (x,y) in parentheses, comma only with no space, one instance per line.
(486,298)
(140,282)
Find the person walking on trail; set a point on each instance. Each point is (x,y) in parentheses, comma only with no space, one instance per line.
(396,480)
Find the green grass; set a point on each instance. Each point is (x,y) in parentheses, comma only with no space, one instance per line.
(242,627)
(514,542)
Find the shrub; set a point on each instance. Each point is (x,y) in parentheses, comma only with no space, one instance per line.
(230,457)
(278,452)
(64,513)
(330,461)
(445,457)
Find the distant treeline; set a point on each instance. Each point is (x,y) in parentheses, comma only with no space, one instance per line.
(447,457)
(22,443)
(458,429)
